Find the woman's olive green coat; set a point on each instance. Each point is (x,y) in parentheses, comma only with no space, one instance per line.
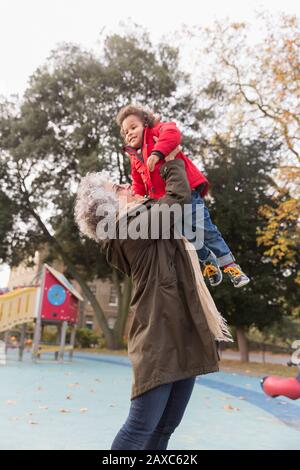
(169,338)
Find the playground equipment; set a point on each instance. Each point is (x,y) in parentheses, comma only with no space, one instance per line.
(2,353)
(289,387)
(275,386)
(54,302)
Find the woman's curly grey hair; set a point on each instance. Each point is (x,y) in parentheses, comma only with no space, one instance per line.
(92,201)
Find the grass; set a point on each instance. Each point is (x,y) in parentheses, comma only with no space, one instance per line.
(226,365)
(256,368)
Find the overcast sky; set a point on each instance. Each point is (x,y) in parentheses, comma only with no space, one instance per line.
(30,29)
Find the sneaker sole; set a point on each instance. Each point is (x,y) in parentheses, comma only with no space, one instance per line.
(242,284)
(217,283)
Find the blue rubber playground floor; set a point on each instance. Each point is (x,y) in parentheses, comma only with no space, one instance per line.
(82,404)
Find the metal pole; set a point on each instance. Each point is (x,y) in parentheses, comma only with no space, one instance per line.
(72,342)
(22,341)
(38,323)
(63,340)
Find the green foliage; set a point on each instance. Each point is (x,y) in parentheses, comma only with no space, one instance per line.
(240,185)
(86,338)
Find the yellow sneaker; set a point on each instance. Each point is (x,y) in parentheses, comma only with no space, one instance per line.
(236,275)
(213,273)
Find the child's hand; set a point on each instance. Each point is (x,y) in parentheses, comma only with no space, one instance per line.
(151,162)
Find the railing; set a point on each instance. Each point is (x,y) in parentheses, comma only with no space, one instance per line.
(17,307)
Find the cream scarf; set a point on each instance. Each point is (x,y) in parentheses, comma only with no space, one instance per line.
(216,322)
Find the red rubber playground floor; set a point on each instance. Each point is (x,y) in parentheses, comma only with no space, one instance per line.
(82,404)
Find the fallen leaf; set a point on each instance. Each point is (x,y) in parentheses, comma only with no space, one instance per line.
(83,410)
(11,402)
(64,410)
(231,408)
(228,407)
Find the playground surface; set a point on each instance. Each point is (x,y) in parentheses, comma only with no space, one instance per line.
(82,404)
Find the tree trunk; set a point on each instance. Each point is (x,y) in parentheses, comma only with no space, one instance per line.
(242,343)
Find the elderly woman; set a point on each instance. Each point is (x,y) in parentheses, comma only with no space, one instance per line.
(175,324)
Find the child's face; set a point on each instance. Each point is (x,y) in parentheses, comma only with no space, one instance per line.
(133,129)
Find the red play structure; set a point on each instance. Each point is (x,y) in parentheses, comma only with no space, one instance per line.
(54,302)
(288,387)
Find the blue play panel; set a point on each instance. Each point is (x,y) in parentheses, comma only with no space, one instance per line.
(82,405)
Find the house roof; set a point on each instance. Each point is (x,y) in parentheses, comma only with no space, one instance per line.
(64,281)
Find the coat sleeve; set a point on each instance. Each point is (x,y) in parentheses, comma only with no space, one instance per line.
(169,136)
(158,221)
(177,186)
(138,186)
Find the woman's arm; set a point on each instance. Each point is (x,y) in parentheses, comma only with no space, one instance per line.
(158,220)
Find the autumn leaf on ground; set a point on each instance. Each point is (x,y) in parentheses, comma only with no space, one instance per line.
(231,408)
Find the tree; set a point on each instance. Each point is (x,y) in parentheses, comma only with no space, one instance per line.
(240,183)
(63,127)
(280,234)
(254,88)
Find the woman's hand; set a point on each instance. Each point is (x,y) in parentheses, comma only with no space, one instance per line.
(173,154)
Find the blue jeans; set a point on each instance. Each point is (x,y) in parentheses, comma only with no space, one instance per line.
(154,416)
(213,244)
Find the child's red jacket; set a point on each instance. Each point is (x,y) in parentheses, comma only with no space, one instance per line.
(152,184)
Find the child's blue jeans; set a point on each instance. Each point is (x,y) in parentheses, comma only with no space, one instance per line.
(211,238)
(154,416)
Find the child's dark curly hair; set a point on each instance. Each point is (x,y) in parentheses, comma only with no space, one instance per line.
(148,118)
